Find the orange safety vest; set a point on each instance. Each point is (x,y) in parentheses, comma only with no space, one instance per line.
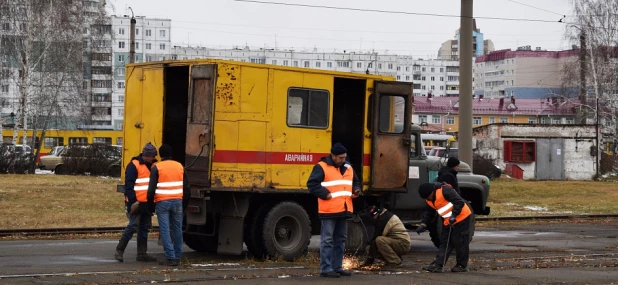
(141,183)
(445,208)
(340,188)
(170,185)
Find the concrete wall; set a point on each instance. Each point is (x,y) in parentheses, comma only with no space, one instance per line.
(578,163)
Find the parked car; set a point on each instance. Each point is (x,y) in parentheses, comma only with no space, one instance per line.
(56,150)
(95,159)
(441,152)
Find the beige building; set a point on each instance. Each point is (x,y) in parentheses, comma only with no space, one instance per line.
(524,73)
(480,46)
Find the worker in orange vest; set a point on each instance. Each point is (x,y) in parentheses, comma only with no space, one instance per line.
(137,175)
(444,200)
(169,193)
(335,184)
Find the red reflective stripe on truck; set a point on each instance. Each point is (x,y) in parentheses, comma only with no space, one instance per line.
(263,157)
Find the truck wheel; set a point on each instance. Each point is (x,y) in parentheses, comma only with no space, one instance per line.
(254,232)
(357,235)
(435,229)
(201,243)
(287,230)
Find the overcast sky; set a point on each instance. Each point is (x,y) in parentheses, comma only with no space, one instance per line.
(228,23)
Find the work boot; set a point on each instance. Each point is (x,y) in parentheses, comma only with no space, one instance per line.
(368,262)
(142,247)
(345,273)
(169,262)
(435,268)
(330,274)
(122,244)
(459,268)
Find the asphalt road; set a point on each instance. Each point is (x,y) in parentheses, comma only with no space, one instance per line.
(554,253)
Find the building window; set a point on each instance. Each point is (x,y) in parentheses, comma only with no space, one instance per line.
(162,33)
(442,88)
(423,87)
(120,112)
(137,32)
(450,120)
(407,77)
(422,119)
(121,99)
(307,64)
(285,63)
(423,69)
(545,120)
(308,108)
(329,64)
(120,44)
(318,64)
(106,141)
(531,120)
(433,87)
(492,120)
(477,121)
(121,58)
(423,78)
(407,68)
(398,77)
(161,58)
(519,151)
(390,66)
(120,85)
(345,64)
(148,33)
(570,121)
(433,70)
(436,119)
(433,78)
(136,45)
(273,62)
(148,46)
(5,89)
(162,46)
(121,31)
(296,63)
(379,66)
(556,121)
(441,78)
(120,71)
(398,68)
(504,120)
(441,69)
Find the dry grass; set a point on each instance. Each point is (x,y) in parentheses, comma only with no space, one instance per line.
(511,197)
(50,201)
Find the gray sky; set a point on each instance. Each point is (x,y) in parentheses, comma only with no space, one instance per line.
(227,23)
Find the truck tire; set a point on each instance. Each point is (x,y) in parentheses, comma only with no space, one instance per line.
(60,170)
(357,237)
(201,243)
(254,232)
(287,230)
(435,229)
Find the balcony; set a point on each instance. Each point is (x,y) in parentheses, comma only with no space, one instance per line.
(452,92)
(451,73)
(452,83)
(101,117)
(102,104)
(416,72)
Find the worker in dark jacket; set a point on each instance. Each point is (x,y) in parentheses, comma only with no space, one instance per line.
(335,184)
(137,175)
(444,200)
(448,173)
(169,192)
(390,239)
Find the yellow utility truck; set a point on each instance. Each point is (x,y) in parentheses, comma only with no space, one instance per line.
(250,134)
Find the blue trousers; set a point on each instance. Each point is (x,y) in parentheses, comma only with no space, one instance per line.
(332,244)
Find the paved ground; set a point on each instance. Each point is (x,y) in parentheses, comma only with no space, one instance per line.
(558,253)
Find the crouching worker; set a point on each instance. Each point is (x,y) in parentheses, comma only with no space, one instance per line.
(390,240)
(444,200)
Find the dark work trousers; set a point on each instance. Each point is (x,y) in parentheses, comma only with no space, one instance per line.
(460,241)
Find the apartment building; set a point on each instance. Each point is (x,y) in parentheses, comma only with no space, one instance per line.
(480,46)
(523,73)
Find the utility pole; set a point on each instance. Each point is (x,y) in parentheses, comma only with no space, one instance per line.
(582,75)
(465,82)
(132,38)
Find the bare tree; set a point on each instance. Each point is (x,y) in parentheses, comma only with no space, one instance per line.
(48,50)
(594,74)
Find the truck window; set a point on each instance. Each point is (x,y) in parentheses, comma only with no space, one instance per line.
(308,108)
(392,109)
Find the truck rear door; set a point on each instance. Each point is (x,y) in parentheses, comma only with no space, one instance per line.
(200,119)
(390,150)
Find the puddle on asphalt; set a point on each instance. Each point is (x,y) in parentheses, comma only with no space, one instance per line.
(504,234)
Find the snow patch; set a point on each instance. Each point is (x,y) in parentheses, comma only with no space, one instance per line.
(535,208)
(216,264)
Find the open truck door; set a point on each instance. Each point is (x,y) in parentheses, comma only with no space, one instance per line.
(198,149)
(390,150)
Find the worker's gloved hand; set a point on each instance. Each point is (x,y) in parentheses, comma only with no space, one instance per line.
(420,229)
(368,262)
(451,220)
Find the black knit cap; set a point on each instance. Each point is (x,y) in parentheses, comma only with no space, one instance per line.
(425,189)
(452,162)
(338,149)
(165,151)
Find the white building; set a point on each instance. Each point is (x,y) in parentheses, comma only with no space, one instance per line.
(152,43)
(438,77)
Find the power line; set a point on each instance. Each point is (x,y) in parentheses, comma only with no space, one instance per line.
(536,8)
(395,12)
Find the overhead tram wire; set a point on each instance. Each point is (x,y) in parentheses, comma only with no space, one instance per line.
(548,11)
(397,12)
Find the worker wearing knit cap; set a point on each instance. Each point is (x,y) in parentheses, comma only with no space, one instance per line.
(335,184)
(448,173)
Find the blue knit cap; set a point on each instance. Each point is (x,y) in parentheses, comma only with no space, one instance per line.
(149,150)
